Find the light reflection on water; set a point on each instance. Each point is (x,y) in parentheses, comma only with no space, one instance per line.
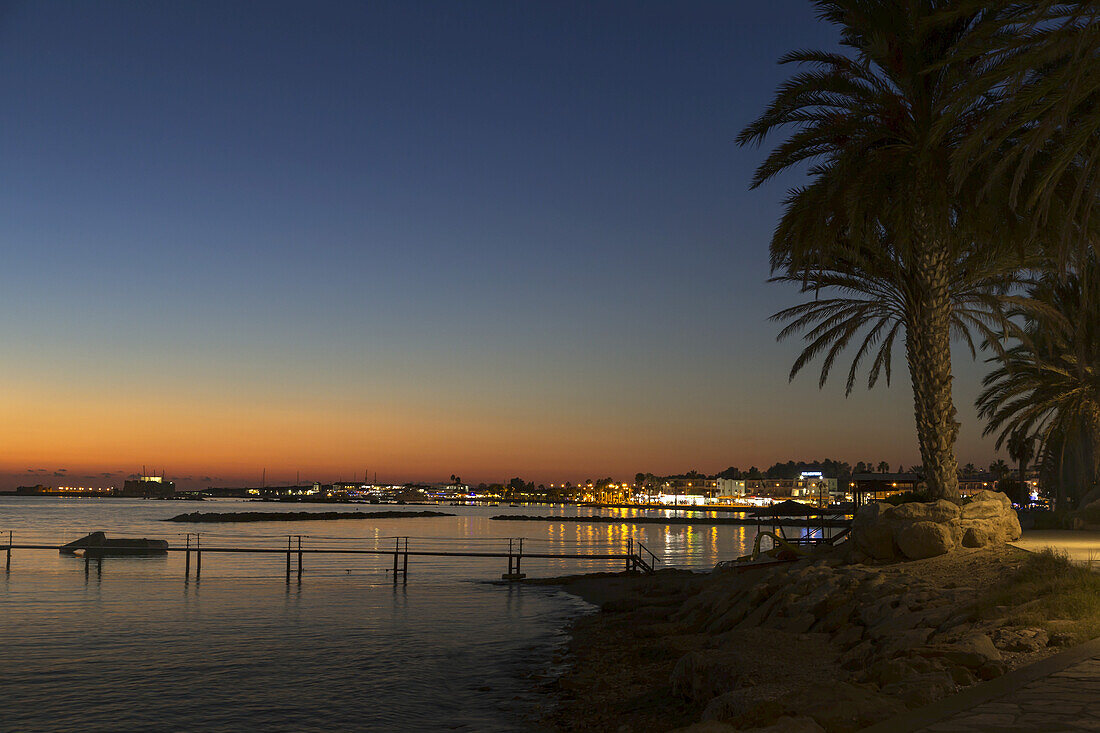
(131,645)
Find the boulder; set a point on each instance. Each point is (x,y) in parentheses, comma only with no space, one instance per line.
(922,689)
(939,511)
(902,642)
(835,706)
(991,514)
(735,703)
(1021,640)
(891,671)
(917,530)
(976,536)
(857,656)
(961,675)
(703,675)
(992,670)
(848,636)
(709,726)
(836,618)
(800,624)
(894,621)
(787,724)
(972,651)
(925,539)
(871,534)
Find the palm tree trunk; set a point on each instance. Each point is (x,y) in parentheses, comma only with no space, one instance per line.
(928,350)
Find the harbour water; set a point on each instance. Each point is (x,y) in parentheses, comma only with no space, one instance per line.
(129,644)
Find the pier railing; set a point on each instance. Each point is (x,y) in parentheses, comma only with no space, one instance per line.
(297,546)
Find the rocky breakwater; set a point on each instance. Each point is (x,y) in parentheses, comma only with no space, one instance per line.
(879,641)
(917,530)
(822,644)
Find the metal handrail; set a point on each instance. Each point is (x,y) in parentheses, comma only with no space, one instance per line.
(648,552)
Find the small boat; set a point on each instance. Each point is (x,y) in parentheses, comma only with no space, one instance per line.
(97,545)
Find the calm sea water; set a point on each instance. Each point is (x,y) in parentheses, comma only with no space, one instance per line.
(130,644)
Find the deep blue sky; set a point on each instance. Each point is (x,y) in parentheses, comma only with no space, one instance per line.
(491,238)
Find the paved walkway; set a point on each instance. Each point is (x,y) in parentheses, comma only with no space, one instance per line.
(1080,545)
(1059,693)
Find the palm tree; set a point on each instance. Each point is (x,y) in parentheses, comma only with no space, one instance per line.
(1036,66)
(1038,63)
(880,221)
(1047,385)
(999,469)
(1021,448)
(883,467)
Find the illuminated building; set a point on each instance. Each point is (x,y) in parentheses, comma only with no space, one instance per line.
(148,486)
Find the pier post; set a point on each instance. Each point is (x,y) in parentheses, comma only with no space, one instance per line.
(396,548)
(198,556)
(187,558)
(514,559)
(7,563)
(405,563)
(288,558)
(299,558)
(629,553)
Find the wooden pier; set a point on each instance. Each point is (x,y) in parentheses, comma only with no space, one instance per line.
(637,557)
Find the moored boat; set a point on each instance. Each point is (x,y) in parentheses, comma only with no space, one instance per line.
(98,544)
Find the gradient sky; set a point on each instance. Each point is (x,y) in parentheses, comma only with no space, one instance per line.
(416,238)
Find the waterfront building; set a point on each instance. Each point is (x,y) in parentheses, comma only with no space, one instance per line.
(148,486)
(973,483)
(698,486)
(869,487)
(811,487)
(683,499)
(880,486)
(730,488)
(36,490)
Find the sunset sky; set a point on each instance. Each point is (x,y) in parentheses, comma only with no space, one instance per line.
(413,238)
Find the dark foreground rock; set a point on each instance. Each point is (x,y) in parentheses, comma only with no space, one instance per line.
(204,517)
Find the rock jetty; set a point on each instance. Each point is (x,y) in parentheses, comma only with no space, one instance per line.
(821,644)
(206,517)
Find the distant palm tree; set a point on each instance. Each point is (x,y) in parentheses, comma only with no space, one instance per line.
(881,222)
(883,467)
(1048,384)
(999,469)
(1021,448)
(969,469)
